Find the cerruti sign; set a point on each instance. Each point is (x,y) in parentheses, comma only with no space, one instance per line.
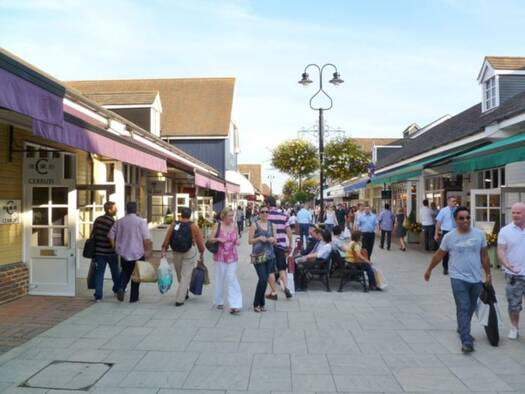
(10,211)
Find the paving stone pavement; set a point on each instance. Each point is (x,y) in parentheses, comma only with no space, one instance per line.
(400,340)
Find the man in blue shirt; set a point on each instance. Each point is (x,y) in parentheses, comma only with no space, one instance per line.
(304,218)
(467,248)
(367,223)
(386,224)
(444,224)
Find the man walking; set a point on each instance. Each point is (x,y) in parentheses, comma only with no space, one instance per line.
(239,216)
(104,252)
(132,241)
(444,224)
(186,240)
(427,221)
(340,214)
(282,248)
(367,223)
(467,248)
(511,253)
(386,224)
(304,219)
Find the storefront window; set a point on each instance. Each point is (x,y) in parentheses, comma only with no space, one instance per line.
(491,179)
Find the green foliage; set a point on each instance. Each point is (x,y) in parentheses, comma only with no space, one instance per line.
(293,194)
(302,196)
(344,159)
(412,217)
(297,158)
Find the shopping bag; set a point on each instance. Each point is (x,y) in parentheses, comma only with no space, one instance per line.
(164,276)
(380,278)
(91,275)
(197,280)
(144,272)
(489,316)
(291,283)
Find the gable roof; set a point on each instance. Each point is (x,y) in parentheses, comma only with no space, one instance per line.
(464,124)
(192,107)
(123,98)
(506,62)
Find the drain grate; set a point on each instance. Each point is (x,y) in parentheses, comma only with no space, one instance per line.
(68,375)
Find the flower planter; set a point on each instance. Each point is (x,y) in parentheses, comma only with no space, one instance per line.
(412,237)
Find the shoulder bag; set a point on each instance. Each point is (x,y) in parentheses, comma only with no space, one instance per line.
(213,247)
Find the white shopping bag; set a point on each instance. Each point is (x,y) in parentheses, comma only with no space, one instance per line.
(164,276)
(291,283)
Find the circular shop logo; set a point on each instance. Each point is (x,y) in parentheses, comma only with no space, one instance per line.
(41,166)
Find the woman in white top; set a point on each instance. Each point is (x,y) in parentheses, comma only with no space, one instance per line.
(330,220)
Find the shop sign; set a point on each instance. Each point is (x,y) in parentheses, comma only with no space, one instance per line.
(10,211)
(43,170)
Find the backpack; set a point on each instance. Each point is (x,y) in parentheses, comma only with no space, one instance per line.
(181,239)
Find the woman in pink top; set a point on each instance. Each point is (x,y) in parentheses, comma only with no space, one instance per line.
(226,260)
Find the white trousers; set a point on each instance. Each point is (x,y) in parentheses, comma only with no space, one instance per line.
(226,275)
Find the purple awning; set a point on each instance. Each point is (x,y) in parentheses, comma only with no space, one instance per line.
(209,183)
(92,142)
(22,96)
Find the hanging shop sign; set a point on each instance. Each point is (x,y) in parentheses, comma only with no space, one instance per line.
(10,211)
(43,170)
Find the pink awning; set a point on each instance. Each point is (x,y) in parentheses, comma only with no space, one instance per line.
(89,141)
(233,187)
(209,183)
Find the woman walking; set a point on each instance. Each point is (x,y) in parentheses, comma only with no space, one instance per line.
(331,219)
(225,234)
(401,231)
(262,239)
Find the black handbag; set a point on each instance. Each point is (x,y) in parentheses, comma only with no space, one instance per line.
(213,247)
(89,247)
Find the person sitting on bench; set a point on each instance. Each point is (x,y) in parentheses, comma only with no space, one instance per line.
(321,251)
(356,255)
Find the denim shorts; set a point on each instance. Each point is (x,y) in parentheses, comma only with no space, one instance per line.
(515,291)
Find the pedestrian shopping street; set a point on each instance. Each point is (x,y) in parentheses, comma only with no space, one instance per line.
(402,339)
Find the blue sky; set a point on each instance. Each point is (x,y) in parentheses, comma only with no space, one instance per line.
(402,61)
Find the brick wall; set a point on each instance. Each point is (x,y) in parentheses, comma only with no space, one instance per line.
(14,281)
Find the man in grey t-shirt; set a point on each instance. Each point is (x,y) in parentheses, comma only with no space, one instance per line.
(467,250)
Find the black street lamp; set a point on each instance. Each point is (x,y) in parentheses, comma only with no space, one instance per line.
(305,81)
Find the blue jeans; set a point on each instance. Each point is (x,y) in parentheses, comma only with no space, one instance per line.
(263,271)
(101,261)
(303,228)
(466,296)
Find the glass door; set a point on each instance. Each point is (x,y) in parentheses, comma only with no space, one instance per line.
(51,242)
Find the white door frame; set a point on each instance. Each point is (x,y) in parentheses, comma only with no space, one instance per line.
(483,225)
(50,257)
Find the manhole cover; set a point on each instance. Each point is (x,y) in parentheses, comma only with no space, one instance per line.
(68,375)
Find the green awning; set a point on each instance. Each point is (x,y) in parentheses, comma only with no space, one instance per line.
(499,153)
(412,171)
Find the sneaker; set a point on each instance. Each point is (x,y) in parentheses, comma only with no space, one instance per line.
(287,292)
(98,300)
(513,333)
(467,348)
(120,295)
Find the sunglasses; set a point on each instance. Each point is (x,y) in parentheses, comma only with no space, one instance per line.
(463,218)
(264,211)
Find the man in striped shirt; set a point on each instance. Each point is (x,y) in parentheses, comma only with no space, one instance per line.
(282,248)
(104,252)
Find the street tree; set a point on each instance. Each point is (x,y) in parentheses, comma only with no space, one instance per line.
(292,194)
(344,159)
(296,158)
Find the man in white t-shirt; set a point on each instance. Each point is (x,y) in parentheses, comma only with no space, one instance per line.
(511,252)
(427,221)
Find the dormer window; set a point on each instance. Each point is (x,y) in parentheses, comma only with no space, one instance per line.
(490,93)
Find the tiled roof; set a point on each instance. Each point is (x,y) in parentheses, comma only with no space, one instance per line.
(506,63)
(123,98)
(191,107)
(464,124)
